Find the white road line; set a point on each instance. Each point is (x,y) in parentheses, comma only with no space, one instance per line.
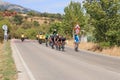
(24,64)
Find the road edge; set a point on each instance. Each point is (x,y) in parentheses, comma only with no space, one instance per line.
(95,53)
(24,72)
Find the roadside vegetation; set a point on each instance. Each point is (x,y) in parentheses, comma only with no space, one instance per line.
(90,46)
(7,66)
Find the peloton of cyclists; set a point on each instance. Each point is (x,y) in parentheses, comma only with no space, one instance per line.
(57,41)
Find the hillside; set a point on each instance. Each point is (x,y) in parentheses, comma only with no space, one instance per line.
(13,7)
(17,8)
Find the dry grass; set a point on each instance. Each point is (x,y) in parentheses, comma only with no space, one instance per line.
(114,51)
(1,51)
(1,60)
(7,66)
(40,20)
(82,45)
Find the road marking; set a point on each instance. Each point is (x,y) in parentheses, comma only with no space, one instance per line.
(24,64)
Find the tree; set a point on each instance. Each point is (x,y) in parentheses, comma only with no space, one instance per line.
(30,33)
(27,25)
(106,19)
(36,24)
(55,25)
(31,13)
(18,19)
(74,14)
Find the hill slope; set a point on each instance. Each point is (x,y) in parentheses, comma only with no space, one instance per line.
(9,6)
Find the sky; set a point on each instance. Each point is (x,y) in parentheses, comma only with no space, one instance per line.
(50,6)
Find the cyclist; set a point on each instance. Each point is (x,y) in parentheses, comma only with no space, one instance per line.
(46,39)
(22,37)
(56,39)
(63,43)
(76,41)
(59,42)
(53,38)
(51,41)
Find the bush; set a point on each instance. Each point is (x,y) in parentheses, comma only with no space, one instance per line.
(104,44)
(91,39)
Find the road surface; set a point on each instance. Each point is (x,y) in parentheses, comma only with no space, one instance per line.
(45,63)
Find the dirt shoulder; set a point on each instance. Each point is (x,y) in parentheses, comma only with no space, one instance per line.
(114,51)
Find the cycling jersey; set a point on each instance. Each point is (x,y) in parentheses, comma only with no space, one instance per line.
(76,38)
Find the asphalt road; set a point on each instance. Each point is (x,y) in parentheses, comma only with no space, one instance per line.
(49,64)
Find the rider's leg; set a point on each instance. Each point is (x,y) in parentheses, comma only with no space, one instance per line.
(59,45)
(76,46)
(63,46)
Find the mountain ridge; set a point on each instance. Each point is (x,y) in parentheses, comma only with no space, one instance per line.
(8,6)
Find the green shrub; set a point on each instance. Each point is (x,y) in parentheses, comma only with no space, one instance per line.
(104,44)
